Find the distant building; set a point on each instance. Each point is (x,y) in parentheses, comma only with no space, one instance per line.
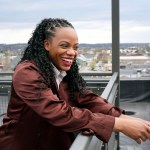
(135,59)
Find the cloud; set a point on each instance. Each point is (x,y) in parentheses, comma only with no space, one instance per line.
(131,31)
(31,10)
(88,32)
(93,31)
(10,36)
(91,18)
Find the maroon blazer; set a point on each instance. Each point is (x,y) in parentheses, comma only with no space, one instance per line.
(38,120)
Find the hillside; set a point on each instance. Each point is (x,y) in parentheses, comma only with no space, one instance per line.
(21,46)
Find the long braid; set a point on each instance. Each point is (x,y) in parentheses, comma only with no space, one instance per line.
(76,82)
(36,52)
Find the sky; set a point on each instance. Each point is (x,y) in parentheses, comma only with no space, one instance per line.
(91,19)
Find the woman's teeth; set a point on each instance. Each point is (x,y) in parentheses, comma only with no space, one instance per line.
(68,60)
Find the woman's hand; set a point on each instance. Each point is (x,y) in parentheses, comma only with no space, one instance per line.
(88,132)
(126,116)
(134,128)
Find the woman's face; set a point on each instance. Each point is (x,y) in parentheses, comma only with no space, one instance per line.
(62,48)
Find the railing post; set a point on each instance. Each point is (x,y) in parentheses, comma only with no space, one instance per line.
(116,47)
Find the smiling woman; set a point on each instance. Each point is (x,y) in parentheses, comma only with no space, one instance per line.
(49,100)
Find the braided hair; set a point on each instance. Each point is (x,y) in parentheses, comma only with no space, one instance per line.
(36,52)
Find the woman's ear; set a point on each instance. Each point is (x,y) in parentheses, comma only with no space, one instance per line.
(47,45)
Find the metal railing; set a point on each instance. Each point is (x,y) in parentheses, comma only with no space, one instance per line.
(5,85)
(83,142)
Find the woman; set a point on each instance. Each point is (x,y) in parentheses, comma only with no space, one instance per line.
(48,98)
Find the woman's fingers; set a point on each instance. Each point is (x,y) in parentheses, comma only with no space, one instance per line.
(138,141)
(87,132)
(136,129)
(145,133)
(143,139)
(148,132)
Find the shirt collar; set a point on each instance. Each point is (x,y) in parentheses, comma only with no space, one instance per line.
(59,73)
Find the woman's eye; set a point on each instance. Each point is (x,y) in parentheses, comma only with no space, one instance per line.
(64,46)
(76,48)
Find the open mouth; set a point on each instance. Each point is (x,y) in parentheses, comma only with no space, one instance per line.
(68,60)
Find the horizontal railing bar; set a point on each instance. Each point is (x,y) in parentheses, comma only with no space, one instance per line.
(96,73)
(103,81)
(95,144)
(6,82)
(90,81)
(81,142)
(82,73)
(113,94)
(6,73)
(109,86)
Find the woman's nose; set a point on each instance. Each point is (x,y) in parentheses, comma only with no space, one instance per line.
(71,51)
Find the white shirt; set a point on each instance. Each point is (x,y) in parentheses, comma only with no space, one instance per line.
(59,75)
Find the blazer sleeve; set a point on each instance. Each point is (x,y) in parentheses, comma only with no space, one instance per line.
(32,90)
(96,104)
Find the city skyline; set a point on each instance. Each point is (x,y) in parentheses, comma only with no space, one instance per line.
(91,19)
